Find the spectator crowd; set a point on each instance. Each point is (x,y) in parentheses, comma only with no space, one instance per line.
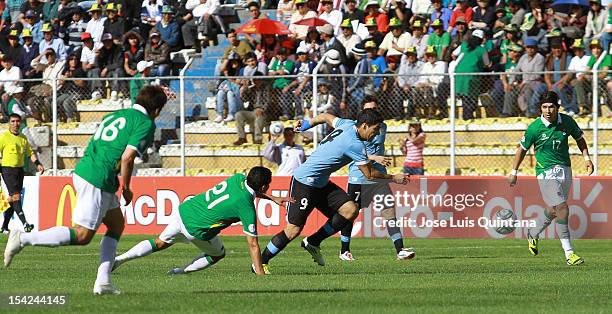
(398,51)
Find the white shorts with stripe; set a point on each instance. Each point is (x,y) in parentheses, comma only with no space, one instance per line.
(175,232)
(554,184)
(92,204)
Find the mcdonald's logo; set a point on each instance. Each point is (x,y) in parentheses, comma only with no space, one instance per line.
(68,190)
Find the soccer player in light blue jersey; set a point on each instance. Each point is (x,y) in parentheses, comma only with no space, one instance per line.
(311,187)
(363,190)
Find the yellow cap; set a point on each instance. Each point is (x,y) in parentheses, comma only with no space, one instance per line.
(26,33)
(47,28)
(370,44)
(417,24)
(395,22)
(578,43)
(300,1)
(111,7)
(595,42)
(436,22)
(94,7)
(410,50)
(346,23)
(430,50)
(371,22)
(14,33)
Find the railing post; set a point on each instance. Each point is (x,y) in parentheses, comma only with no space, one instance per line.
(451,72)
(182,112)
(315,100)
(54,123)
(595,86)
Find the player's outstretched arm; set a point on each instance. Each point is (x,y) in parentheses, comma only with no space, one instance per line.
(279,200)
(371,173)
(127,166)
(584,149)
(383,160)
(255,254)
(306,124)
(518,159)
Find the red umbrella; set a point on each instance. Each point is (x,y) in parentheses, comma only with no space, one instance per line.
(312,21)
(264,27)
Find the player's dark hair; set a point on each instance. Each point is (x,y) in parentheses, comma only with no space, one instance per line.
(14,115)
(258,177)
(369,117)
(368,99)
(550,97)
(151,98)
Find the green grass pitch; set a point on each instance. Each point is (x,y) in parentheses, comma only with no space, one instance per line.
(447,276)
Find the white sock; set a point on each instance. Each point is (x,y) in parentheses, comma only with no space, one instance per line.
(564,237)
(108,249)
(141,249)
(51,237)
(201,262)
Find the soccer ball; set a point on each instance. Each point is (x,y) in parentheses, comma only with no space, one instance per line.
(504,221)
(276,128)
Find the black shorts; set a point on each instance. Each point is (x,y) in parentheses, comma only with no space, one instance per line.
(327,200)
(13,178)
(364,194)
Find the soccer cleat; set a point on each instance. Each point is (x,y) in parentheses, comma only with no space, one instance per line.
(5,231)
(405,253)
(116,264)
(346,256)
(28,228)
(175,271)
(314,251)
(533,244)
(266,268)
(105,289)
(13,247)
(573,259)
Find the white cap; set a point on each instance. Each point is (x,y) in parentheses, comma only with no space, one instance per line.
(302,49)
(15,90)
(333,57)
(478,33)
(143,65)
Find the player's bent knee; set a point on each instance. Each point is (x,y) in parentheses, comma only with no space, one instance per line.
(292,231)
(161,245)
(349,210)
(15,197)
(388,213)
(83,236)
(218,258)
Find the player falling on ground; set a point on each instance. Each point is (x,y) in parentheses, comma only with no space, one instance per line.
(311,187)
(200,219)
(121,136)
(549,134)
(362,191)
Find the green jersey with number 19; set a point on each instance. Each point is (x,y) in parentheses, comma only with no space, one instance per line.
(230,201)
(123,128)
(550,141)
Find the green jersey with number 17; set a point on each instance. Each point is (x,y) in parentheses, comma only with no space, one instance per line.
(230,201)
(123,128)
(550,141)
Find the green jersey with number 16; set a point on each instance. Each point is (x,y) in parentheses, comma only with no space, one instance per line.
(123,128)
(230,201)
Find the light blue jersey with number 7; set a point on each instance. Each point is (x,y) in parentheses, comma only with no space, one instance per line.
(335,151)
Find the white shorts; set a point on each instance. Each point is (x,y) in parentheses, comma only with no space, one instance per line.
(554,184)
(92,204)
(175,232)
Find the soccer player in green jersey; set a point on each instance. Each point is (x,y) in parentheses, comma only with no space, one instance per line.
(200,219)
(549,134)
(120,137)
